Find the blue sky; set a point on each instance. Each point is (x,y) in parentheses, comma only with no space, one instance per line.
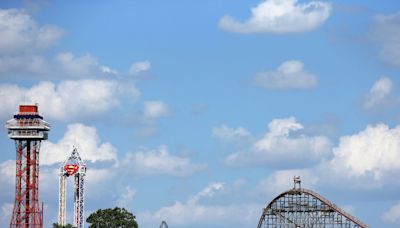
(200,112)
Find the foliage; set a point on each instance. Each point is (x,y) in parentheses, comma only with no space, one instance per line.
(112,218)
(56,225)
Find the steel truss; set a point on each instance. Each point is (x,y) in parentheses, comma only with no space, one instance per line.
(73,166)
(163,224)
(27,128)
(301,207)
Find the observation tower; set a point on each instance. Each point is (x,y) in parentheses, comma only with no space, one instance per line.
(27,129)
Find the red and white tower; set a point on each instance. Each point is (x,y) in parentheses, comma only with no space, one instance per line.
(28,129)
(73,166)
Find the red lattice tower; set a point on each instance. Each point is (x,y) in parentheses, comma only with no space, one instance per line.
(28,129)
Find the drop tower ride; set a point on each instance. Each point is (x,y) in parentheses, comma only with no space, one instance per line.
(27,129)
(73,166)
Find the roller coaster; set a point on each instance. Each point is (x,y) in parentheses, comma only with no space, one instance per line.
(299,207)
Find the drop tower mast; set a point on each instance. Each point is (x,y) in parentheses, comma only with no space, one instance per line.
(73,166)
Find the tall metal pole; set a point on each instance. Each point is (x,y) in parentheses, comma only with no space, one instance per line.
(61,201)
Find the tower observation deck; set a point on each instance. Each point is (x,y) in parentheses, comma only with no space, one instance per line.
(27,129)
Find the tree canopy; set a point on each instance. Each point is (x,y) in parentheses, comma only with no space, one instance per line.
(112,218)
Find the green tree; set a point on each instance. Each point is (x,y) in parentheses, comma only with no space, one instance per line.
(56,225)
(112,218)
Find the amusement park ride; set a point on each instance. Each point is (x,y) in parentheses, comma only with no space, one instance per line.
(297,207)
(300,207)
(73,166)
(27,129)
(163,224)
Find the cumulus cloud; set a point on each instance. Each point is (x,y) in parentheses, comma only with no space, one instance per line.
(392,215)
(278,147)
(85,66)
(20,34)
(22,46)
(160,162)
(7,173)
(280,16)
(66,100)
(280,181)
(183,214)
(126,197)
(6,211)
(224,132)
(139,67)
(86,140)
(385,32)
(147,118)
(365,160)
(155,109)
(63,65)
(374,151)
(289,75)
(16,65)
(209,191)
(378,93)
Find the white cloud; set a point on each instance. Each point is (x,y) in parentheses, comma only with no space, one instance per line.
(7,172)
(66,100)
(289,75)
(6,211)
(392,215)
(184,214)
(108,70)
(277,147)
(374,151)
(155,109)
(7,180)
(280,181)
(63,65)
(224,132)
(386,33)
(378,92)
(85,66)
(22,47)
(86,140)
(20,34)
(139,67)
(160,162)
(126,197)
(280,16)
(15,65)
(147,118)
(209,191)
(48,180)
(367,160)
